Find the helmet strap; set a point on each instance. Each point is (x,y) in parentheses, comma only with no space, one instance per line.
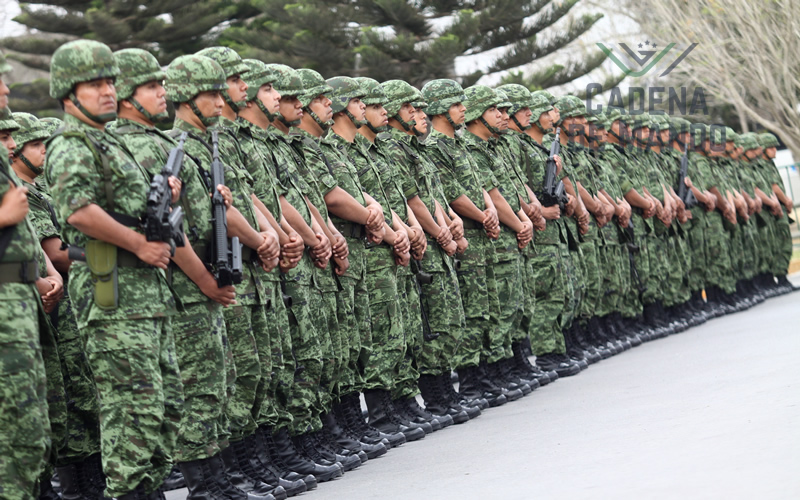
(36,170)
(408,126)
(357,123)
(101,118)
(270,116)
(516,122)
(157,118)
(325,126)
(208,121)
(493,130)
(235,105)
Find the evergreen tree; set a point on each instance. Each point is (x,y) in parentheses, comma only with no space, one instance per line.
(417,40)
(167,28)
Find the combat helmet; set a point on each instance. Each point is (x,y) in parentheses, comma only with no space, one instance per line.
(479,99)
(520,98)
(81,61)
(398,93)
(232,64)
(441,94)
(373,95)
(7,122)
(187,76)
(540,104)
(315,86)
(345,89)
(137,67)
(51,124)
(30,129)
(259,74)
(767,140)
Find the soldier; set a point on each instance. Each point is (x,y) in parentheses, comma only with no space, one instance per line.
(77,437)
(120,294)
(440,301)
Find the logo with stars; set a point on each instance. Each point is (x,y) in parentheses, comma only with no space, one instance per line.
(646,55)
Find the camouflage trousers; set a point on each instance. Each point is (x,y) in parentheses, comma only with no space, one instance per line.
(354,318)
(140,393)
(636,266)
(550,288)
(505,295)
(613,278)
(718,256)
(83,420)
(24,424)
(56,395)
(474,289)
(407,373)
(386,320)
(696,246)
(303,394)
(334,354)
(782,254)
(199,332)
(441,301)
(676,291)
(591,274)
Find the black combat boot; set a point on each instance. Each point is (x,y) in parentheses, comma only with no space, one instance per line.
(494,393)
(201,481)
(454,398)
(139,494)
(574,353)
(46,491)
(437,401)
(383,416)
(286,454)
(263,469)
(527,351)
(239,477)
(503,371)
(553,361)
(592,342)
(351,410)
(348,442)
(525,368)
(470,388)
(415,413)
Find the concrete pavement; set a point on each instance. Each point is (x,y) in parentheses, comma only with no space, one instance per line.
(710,413)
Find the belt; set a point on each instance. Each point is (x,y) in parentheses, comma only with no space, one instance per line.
(351,229)
(128,259)
(471,223)
(19,272)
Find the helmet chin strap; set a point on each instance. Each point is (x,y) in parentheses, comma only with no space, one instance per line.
(325,126)
(493,130)
(235,105)
(357,123)
(270,116)
(155,118)
(408,126)
(208,121)
(516,122)
(548,130)
(101,118)
(36,170)
(453,123)
(376,130)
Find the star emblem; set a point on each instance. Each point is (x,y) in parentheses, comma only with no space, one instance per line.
(654,45)
(640,45)
(647,42)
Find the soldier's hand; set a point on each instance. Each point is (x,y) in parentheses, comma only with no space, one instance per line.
(457,229)
(788,205)
(323,250)
(376,237)
(292,250)
(583,227)
(225,296)
(539,223)
(493,234)
(451,248)
(270,248)
(46,287)
(175,186)
(559,164)
(571,206)
(551,213)
(227,196)
(375,218)
(524,237)
(584,218)
(340,266)
(419,243)
(339,247)
(461,245)
(688,182)
(444,237)
(490,219)
(402,259)
(15,206)
(401,243)
(154,253)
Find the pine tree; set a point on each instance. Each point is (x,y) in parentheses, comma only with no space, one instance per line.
(167,28)
(418,40)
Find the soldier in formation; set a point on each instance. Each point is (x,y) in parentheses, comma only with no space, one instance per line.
(213,302)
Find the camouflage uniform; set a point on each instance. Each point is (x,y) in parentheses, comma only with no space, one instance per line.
(130,348)
(25,436)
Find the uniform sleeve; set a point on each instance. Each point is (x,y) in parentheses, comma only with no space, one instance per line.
(319,168)
(72,177)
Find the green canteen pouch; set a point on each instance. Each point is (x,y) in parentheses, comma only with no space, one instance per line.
(101,257)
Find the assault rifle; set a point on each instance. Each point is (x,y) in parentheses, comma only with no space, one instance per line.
(226,256)
(161,223)
(553,190)
(684,193)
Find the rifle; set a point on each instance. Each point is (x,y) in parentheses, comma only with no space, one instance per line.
(161,223)
(684,193)
(226,256)
(553,190)
(421,276)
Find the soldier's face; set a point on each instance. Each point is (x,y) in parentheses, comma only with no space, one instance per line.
(269,97)
(321,106)
(152,96)
(503,119)
(99,96)
(377,116)
(7,141)
(771,152)
(555,115)
(685,137)
(664,134)
(291,108)
(210,103)
(493,117)
(421,121)
(237,88)
(407,112)
(730,146)
(523,116)
(357,108)
(3,94)
(34,151)
(457,113)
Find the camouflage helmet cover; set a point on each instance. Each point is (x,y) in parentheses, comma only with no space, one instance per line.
(258,74)
(599,119)
(30,129)
(189,75)
(680,125)
(289,82)
(570,106)
(314,85)
(613,114)
(540,104)
(398,93)
(479,99)
(230,61)
(51,124)
(747,141)
(344,90)
(504,100)
(7,121)
(767,140)
(80,61)
(441,94)
(518,95)
(373,92)
(136,67)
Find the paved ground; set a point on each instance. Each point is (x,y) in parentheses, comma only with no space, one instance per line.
(708,414)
